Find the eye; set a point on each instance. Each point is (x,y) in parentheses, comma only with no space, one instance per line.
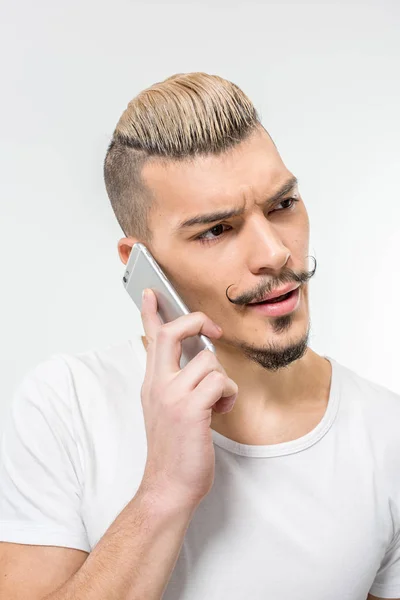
(214,230)
(291,200)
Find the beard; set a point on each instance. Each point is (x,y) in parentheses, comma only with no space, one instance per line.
(272,357)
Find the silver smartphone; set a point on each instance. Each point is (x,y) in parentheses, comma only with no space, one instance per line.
(142,271)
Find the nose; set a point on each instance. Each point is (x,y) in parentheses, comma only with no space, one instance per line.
(265,249)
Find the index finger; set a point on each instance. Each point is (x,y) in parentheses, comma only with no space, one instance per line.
(165,358)
(168,349)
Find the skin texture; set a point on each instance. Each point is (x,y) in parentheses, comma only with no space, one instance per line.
(283,384)
(30,571)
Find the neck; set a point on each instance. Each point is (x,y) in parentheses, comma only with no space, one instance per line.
(274,407)
(278,406)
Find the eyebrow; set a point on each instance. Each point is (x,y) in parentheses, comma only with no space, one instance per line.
(205,219)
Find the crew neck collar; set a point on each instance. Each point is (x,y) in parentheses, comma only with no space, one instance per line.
(272,450)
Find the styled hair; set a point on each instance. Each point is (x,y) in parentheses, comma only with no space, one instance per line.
(184,116)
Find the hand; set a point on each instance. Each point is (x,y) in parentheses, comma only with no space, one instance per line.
(177,405)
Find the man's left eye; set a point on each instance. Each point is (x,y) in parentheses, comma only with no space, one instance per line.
(292,202)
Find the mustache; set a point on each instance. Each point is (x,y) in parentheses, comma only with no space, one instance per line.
(288,276)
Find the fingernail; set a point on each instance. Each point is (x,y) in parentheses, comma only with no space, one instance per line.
(218,328)
(144,294)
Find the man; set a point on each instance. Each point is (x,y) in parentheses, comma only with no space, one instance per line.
(265,471)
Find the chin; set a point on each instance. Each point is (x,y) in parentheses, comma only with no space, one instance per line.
(294,324)
(279,351)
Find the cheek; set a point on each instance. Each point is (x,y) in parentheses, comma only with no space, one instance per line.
(192,285)
(305,221)
(297,239)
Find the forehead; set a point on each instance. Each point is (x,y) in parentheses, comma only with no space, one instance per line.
(253,169)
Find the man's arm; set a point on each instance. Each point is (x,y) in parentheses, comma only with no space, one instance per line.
(133,560)
(32,571)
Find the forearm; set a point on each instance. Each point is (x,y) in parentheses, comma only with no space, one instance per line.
(135,557)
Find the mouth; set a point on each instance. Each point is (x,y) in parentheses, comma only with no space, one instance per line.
(275,300)
(278,306)
(276,296)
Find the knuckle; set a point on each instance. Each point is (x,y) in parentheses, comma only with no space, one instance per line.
(199,315)
(217,377)
(209,359)
(163,332)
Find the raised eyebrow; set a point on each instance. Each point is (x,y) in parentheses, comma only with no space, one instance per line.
(206,219)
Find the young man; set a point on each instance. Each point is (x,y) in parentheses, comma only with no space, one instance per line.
(265,471)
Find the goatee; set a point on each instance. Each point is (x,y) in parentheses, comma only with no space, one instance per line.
(272,357)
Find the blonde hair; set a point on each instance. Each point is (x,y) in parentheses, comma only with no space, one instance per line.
(183,116)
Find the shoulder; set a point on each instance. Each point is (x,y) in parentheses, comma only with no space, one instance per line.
(370,411)
(65,378)
(113,363)
(368,395)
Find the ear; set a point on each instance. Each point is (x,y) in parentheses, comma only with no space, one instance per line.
(125,247)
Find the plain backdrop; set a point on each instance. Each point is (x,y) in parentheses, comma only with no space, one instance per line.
(325,78)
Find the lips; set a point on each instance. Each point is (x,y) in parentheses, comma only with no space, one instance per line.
(284,290)
(278,307)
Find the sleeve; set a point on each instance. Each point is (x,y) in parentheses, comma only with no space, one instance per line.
(40,467)
(387,581)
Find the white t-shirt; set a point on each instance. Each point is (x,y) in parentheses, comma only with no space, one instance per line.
(317,518)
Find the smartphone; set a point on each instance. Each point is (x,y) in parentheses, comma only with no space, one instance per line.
(142,271)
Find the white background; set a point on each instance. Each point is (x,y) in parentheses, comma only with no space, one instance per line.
(325,78)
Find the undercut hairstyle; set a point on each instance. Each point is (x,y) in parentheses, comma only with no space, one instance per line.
(184,116)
